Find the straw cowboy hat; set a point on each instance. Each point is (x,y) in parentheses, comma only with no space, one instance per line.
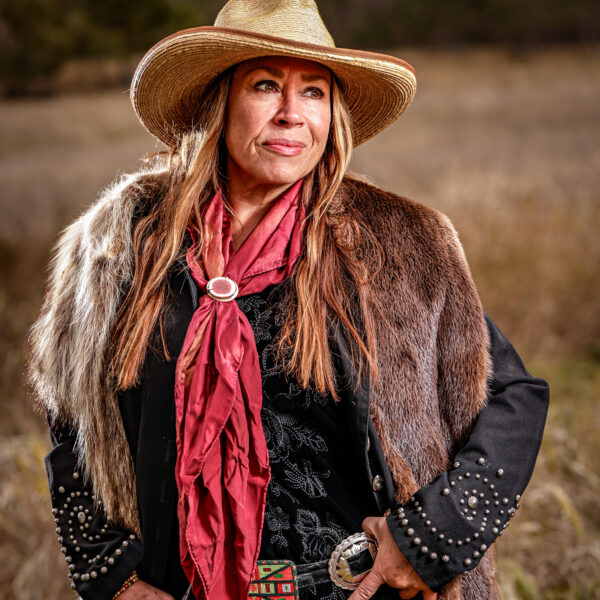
(170,79)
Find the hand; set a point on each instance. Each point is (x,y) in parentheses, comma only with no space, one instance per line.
(390,567)
(141,590)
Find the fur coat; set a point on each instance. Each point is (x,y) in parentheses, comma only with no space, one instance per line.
(432,344)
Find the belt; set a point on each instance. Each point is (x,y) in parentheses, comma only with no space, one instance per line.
(347,566)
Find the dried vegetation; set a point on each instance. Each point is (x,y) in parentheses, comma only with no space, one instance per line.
(507,145)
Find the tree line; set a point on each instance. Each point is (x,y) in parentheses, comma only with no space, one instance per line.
(38,36)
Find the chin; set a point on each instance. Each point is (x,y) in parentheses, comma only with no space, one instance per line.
(282,176)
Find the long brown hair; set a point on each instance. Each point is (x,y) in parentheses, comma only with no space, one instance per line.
(196,169)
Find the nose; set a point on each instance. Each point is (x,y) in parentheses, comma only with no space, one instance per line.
(289,114)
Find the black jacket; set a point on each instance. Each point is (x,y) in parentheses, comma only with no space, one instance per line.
(508,431)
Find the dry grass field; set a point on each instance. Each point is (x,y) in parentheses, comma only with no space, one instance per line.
(507,145)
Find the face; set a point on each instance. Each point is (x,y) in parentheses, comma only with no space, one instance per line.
(278,119)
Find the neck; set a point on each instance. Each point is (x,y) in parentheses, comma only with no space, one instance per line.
(249,203)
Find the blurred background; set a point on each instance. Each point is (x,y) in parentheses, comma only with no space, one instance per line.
(503,136)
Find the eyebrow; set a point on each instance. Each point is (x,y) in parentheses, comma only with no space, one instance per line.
(308,77)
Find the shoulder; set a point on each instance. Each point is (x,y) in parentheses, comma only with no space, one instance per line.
(402,226)
(105,227)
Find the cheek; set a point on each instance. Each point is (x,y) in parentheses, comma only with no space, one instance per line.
(321,120)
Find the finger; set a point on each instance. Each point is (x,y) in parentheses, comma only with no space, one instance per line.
(368,586)
(429,595)
(408,593)
(368,525)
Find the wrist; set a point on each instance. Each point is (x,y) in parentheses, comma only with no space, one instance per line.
(133,578)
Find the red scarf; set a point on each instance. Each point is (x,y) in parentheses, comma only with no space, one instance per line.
(222,468)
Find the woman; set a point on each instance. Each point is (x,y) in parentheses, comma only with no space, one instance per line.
(246,355)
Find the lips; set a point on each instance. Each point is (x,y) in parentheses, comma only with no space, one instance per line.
(284,147)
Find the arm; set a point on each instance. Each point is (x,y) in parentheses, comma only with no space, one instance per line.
(498,456)
(100,556)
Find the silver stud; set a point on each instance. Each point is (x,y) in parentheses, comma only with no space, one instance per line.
(432,555)
(452,483)
(103,570)
(76,576)
(500,472)
(111,561)
(404,522)
(118,552)
(63,550)
(81,517)
(505,501)
(476,554)
(433,530)
(468,562)
(485,480)
(428,522)
(518,497)
(75,475)
(410,531)
(424,549)
(459,478)
(73,586)
(445,558)
(480,460)
(131,536)
(94,574)
(416,541)
(441,536)
(456,464)
(377,483)
(483,547)
(445,492)
(476,535)
(477,476)
(61,489)
(467,540)
(472,502)
(449,541)
(60,539)
(459,542)
(497,522)
(467,474)
(495,530)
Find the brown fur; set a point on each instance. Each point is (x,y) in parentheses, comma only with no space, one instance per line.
(432,346)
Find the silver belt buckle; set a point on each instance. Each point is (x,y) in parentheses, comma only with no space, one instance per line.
(340,571)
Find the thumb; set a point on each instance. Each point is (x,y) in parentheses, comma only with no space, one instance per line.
(368,586)
(368,526)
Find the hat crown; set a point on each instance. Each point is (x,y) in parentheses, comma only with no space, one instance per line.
(297,20)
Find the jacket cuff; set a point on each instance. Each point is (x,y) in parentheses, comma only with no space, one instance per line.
(467,509)
(99,555)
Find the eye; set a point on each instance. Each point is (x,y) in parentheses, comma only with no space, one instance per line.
(266,85)
(314,92)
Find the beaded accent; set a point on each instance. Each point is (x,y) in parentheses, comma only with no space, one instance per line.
(127,584)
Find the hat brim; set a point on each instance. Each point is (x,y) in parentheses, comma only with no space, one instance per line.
(169,81)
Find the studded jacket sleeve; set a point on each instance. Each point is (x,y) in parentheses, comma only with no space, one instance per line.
(99,555)
(446,527)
